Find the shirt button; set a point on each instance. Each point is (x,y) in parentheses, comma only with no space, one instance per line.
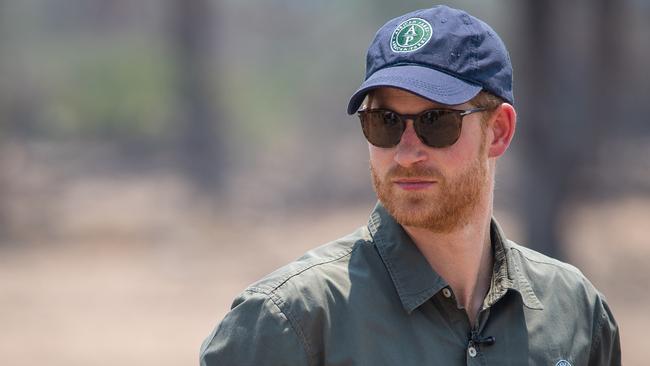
(472,351)
(446,292)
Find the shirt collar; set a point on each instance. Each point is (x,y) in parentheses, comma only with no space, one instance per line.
(508,272)
(413,277)
(415,280)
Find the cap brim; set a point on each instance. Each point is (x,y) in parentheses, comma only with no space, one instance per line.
(428,83)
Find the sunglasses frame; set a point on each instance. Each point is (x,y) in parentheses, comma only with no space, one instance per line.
(416,118)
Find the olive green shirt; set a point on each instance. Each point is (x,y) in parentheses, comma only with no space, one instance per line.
(371,298)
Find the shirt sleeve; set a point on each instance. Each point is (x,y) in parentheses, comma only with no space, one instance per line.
(254,332)
(606,344)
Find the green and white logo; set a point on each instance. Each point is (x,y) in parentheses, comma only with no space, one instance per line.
(410,35)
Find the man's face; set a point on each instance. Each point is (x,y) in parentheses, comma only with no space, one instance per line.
(432,188)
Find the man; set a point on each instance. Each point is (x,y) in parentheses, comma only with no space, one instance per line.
(431,280)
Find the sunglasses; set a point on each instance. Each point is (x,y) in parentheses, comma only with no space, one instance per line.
(434,127)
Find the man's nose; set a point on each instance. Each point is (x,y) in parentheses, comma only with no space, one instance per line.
(410,149)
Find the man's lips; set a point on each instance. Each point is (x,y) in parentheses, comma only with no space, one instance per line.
(414,184)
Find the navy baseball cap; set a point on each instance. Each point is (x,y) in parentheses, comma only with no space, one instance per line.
(441,54)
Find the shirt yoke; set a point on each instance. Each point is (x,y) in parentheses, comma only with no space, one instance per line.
(551,279)
(324,258)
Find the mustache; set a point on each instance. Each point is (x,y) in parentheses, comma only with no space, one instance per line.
(399,171)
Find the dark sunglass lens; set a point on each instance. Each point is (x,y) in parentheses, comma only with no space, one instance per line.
(439,128)
(381,128)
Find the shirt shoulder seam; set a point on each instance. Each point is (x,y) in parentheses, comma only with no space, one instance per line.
(284,307)
(277,302)
(273,286)
(552,262)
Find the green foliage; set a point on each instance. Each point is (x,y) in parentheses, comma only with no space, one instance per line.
(118,89)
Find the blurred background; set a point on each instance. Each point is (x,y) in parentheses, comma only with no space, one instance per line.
(158,156)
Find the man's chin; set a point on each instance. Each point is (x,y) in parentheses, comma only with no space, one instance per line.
(410,212)
(424,213)
(419,220)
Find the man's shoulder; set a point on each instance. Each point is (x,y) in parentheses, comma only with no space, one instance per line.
(323,266)
(570,302)
(532,258)
(551,277)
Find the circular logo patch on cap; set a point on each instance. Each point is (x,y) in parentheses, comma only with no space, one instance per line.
(563,363)
(410,35)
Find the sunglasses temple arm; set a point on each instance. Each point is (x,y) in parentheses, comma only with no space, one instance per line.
(473,110)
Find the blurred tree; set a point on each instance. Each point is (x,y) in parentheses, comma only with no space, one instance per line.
(201,146)
(3,122)
(573,92)
(547,151)
(609,31)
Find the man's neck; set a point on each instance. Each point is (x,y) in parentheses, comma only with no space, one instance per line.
(462,257)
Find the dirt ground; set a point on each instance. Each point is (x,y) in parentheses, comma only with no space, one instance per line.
(141,276)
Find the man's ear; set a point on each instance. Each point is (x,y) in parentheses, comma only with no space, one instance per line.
(501,129)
